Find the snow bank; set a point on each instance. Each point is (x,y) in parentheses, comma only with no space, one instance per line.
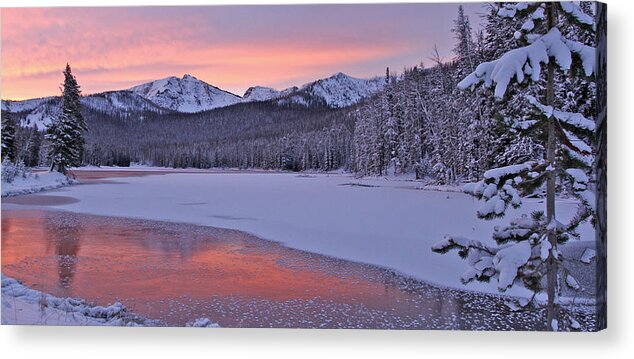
(23,305)
(35,183)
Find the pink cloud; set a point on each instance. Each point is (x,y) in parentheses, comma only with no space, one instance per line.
(231,47)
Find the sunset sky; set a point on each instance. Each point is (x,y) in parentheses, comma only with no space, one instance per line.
(232,47)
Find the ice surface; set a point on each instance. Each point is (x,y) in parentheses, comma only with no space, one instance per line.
(391,223)
(588,255)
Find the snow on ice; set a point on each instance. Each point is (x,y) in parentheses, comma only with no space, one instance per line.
(384,222)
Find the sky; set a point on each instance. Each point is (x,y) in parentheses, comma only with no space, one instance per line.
(232,47)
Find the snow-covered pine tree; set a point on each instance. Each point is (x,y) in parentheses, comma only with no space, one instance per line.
(66,131)
(8,137)
(465,48)
(526,250)
(391,122)
(471,134)
(71,102)
(62,146)
(510,145)
(33,148)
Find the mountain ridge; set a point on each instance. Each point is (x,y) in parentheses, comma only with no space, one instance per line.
(191,95)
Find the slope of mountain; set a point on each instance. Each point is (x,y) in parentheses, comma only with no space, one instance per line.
(25,105)
(120,102)
(41,111)
(41,115)
(186,94)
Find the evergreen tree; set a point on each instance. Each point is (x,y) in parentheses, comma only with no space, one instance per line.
(33,149)
(527,247)
(465,48)
(8,137)
(66,131)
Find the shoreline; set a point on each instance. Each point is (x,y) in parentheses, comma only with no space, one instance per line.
(22,305)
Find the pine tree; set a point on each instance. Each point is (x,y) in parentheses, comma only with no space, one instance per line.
(390,120)
(527,247)
(66,131)
(8,137)
(465,48)
(33,149)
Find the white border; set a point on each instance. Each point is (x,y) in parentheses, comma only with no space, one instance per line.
(617,342)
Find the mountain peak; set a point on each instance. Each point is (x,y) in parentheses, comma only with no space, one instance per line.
(186,94)
(341,90)
(260,93)
(339,75)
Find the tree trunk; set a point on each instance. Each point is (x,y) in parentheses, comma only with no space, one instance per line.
(550,185)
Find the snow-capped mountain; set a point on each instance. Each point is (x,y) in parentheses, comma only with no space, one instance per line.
(339,90)
(186,94)
(260,93)
(189,95)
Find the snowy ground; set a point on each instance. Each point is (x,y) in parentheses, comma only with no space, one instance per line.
(23,305)
(35,183)
(383,222)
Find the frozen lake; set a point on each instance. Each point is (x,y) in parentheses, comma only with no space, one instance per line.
(176,273)
(357,249)
(375,221)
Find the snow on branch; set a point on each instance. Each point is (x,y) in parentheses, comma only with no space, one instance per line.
(575,143)
(579,177)
(510,10)
(585,158)
(514,170)
(497,188)
(574,10)
(519,229)
(449,242)
(579,182)
(508,261)
(528,60)
(485,262)
(586,53)
(570,118)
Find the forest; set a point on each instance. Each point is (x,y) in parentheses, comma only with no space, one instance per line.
(420,123)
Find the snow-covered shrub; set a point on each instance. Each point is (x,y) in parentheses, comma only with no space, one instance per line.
(12,170)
